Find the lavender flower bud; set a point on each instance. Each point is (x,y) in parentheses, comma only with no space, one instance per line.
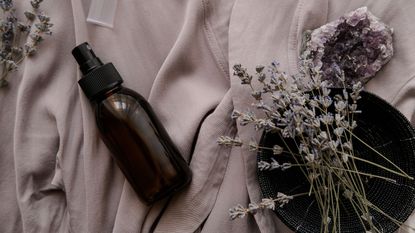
(259,68)
(235,114)
(6,4)
(36,3)
(3,83)
(237,212)
(253,146)
(30,15)
(276,150)
(257,95)
(268,203)
(242,74)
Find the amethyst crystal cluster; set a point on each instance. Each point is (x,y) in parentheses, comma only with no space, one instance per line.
(350,49)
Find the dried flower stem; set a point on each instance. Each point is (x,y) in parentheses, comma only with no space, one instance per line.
(300,112)
(401,172)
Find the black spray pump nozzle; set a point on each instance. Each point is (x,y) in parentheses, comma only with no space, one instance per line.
(97,78)
(86,58)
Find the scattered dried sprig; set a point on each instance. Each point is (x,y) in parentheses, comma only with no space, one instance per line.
(20,39)
(228,141)
(267,203)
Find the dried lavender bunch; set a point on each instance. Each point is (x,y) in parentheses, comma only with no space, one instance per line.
(300,108)
(20,39)
(357,44)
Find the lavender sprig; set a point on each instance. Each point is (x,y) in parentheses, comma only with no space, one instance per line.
(266,203)
(20,39)
(228,141)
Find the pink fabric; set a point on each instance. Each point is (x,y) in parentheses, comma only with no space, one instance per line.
(56,175)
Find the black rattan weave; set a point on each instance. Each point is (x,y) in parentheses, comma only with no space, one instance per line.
(382,127)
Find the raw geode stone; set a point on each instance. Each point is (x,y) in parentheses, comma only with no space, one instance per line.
(352,48)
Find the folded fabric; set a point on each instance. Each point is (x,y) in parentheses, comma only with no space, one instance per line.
(56,175)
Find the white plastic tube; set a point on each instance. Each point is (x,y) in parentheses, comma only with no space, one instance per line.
(102,12)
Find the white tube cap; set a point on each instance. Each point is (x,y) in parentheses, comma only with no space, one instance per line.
(102,12)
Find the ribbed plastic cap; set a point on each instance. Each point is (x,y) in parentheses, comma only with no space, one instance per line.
(98,78)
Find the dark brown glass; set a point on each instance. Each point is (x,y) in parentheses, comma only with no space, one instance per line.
(140,145)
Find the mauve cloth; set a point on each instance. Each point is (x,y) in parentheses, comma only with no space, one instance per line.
(56,175)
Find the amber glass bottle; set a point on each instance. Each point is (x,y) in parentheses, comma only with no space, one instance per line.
(128,126)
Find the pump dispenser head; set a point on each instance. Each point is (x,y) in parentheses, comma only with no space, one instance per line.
(86,58)
(97,77)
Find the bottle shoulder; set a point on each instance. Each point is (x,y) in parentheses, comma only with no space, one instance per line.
(121,103)
(119,94)
(128,92)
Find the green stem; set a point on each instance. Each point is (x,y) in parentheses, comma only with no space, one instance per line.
(403,173)
(365,174)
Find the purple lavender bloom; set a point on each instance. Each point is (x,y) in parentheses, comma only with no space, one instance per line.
(352,48)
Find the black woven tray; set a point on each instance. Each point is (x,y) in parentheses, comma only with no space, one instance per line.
(381,126)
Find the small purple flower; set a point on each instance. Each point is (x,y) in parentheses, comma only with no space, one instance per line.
(350,49)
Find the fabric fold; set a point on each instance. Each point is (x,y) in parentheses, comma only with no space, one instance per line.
(190,208)
(46,79)
(59,176)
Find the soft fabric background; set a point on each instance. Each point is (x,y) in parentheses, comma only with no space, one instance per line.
(57,176)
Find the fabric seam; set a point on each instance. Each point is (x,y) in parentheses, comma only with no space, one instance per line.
(401,88)
(59,112)
(229,129)
(292,40)
(214,47)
